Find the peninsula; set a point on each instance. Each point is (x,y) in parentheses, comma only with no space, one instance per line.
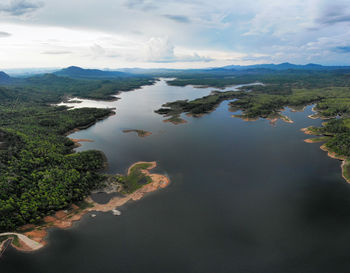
(134,185)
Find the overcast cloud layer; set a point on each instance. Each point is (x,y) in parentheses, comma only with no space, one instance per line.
(182,33)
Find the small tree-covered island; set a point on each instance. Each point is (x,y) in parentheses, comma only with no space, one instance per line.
(45,183)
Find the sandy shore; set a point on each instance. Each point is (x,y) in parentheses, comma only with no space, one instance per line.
(33,237)
(339,157)
(286,119)
(315,140)
(309,140)
(307,131)
(76,140)
(343,170)
(244,118)
(332,154)
(297,109)
(182,121)
(272,119)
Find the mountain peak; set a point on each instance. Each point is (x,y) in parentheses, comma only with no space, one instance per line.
(78,72)
(4,76)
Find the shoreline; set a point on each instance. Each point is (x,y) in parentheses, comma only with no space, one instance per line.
(182,121)
(330,154)
(77,141)
(79,128)
(34,237)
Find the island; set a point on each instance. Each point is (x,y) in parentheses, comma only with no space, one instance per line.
(140,133)
(134,185)
(195,108)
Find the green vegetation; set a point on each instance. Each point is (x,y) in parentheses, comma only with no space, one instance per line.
(50,88)
(39,172)
(280,90)
(4,238)
(15,241)
(291,77)
(140,133)
(135,179)
(318,139)
(175,119)
(336,134)
(196,107)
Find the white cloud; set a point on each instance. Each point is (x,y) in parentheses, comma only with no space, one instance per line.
(159,50)
(188,33)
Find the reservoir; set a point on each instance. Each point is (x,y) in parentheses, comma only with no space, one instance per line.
(245,197)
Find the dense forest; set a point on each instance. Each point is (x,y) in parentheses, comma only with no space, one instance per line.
(39,172)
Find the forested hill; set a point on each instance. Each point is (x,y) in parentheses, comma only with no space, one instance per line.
(4,77)
(39,172)
(52,88)
(78,72)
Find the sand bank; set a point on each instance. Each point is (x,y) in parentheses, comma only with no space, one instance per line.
(175,122)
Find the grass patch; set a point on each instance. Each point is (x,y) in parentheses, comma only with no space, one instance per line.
(319,139)
(84,205)
(15,241)
(176,119)
(4,238)
(140,133)
(135,179)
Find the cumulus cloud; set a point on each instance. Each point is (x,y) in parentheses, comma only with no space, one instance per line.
(159,50)
(20,7)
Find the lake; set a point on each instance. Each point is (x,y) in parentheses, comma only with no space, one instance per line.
(244,197)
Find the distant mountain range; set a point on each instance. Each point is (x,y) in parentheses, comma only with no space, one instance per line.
(78,72)
(282,66)
(228,68)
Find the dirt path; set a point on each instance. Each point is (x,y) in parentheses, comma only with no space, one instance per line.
(31,244)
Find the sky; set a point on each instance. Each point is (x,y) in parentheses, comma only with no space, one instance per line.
(173,34)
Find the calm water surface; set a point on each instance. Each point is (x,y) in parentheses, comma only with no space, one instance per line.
(245,197)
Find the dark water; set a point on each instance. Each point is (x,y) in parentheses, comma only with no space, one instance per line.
(245,197)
